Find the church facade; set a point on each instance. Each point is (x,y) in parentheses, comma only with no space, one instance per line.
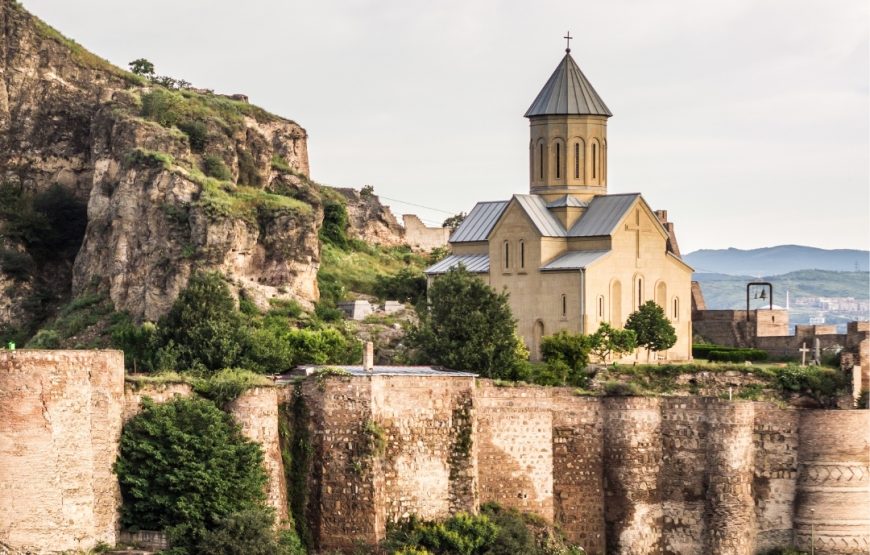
(570,255)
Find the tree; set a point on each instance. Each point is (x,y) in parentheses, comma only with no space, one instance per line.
(454,221)
(566,355)
(203,330)
(184,465)
(142,67)
(468,326)
(652,328)
(608,340)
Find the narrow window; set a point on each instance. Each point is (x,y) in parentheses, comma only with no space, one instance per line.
(522,255)
(564,305)
(541,159)
(676,308)
(576,160)
(507,255)
(594,159)
(601,306)
(558,160)
(639,292)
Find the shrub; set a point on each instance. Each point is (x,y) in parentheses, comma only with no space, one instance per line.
(819,383)
(197,134)
(226,386)
(736,355)
(567,353)
(468,326)
(248,532)
(17,265)
(184,465)
(621,389)
(407,286)
(248,172)
(334,229)
(45,339)
(652,328)
(214,166)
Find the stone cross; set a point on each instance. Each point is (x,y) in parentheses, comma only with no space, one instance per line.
(803,350)
(637,228)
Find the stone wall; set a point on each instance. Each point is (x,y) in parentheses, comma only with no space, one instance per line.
(60,423)
(420,237)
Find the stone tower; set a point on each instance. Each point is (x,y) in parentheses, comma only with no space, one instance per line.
(568,147)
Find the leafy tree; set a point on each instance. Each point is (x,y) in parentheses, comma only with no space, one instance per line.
(567,355)
(454,221)
(138,343)
(142,67)
(468,326)
(608,340)
(184,465)
(407,286)
(203,330)
(652,328)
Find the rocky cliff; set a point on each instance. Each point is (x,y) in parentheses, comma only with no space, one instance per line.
(161,182)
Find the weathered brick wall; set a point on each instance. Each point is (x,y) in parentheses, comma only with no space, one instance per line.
(60,423)
(775,433)
(833,487)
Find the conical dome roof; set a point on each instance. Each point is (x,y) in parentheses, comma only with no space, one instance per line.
(568,92)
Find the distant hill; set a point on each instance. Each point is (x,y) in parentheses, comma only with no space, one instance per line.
(773,261)
(729,291)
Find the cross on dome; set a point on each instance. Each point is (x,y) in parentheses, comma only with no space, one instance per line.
(568,38)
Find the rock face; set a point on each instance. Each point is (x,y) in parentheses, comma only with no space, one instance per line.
(112,141)
(370,221)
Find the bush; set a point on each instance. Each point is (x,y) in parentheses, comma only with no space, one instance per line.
(821,384)
(17,265)
(334,229)
(227,385)
(621,389)
(407,286)
(248,532)
(248,172)
(184,466)
(736,355)
(45,339)
(214,166)
(468,326)
(567,353)
(197,134)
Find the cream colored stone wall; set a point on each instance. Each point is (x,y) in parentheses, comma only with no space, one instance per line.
(421,237)
(60,424)
(566,131)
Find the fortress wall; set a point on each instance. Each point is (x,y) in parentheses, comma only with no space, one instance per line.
(256,411)
(578,474)
(682,481)
(421,237)
(428,461)
(159,393)
(515,447)
(632,464)
(775,434)
(344,506)
(833,488)
(60,423)
(730,507)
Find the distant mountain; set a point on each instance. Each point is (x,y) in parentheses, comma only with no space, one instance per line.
(777,260)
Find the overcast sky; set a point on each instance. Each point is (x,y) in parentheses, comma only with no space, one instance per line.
(746,119)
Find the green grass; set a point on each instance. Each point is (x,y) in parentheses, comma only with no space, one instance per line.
(355,271)
(76,317)
(149,158)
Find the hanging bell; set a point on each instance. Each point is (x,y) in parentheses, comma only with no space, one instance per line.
(763,294)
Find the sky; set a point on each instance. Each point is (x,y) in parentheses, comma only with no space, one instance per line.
(748,120)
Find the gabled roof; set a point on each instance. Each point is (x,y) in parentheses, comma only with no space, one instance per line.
(474,263)
(603,215)
(479,222)
(576,260)
(567,200)
(536,208)
(568,92)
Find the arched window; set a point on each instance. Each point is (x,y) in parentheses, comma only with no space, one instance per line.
(541,159)
(564,305)
(662,294)
(676,308)
(558,160)
(616,303)
(522,255)
(594,159)
(507,255)
(576,160)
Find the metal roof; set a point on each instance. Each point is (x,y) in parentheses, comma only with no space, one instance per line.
(567,92)
(474,263)
(536,207)
(567,200)
(603,215)
(575,260)
(357,371)
(479,222)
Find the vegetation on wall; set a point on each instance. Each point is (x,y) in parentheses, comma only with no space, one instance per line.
(468,326)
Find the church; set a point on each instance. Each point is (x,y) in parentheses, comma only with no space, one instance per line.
(570,255)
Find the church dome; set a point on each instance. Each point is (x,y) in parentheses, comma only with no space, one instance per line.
(568,92)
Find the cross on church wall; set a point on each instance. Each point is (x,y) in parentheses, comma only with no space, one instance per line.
(638,227)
